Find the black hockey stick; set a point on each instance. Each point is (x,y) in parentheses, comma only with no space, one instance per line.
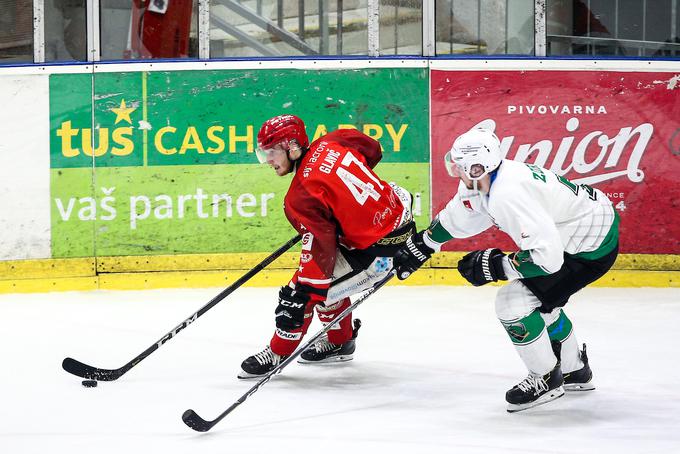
(75,367)
(199,424)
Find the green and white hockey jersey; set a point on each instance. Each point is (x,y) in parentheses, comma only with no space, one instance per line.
(546,216)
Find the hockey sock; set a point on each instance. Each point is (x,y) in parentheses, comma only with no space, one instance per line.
(532,343)
(341,332)
(284,343)
(562,330)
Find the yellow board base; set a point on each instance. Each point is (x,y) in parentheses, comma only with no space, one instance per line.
(221,270)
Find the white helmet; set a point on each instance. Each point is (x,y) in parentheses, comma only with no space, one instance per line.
(474,153)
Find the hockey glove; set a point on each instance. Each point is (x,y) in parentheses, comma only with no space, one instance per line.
(410,257)
(290,312)
(483,266)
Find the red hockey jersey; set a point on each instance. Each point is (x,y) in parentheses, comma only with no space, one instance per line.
(335,197)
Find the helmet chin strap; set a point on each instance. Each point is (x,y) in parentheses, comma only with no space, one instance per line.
(475,185)
(296,162)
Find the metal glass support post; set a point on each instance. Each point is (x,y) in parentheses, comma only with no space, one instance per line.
(396,28)
(338,28)
(323,27)
(373,28)
(39,31)
(674,15)
(301,19)
(479,26)
(540,35)
(429,48)
(204,29)
(93,39)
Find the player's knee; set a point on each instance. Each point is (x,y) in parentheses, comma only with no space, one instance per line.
(514,301)
(552,316)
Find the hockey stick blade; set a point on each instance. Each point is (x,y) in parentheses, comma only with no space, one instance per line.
(197,423)
(79,369)
(75,367)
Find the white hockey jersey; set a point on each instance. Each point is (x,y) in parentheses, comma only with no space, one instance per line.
(545,215)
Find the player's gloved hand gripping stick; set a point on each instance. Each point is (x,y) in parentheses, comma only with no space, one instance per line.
(75,367)
(191,418)
(411,257)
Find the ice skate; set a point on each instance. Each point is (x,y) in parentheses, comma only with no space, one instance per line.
(260,364)
(324,351)
(535,390)
(580,380)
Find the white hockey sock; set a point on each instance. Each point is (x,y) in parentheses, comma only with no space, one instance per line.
(537,355)
(561,330)
(571,359)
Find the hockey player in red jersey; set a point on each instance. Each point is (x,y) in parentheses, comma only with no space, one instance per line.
(351,223)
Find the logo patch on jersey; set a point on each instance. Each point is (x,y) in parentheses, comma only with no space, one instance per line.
(307,240)
(467,204)
(306,257)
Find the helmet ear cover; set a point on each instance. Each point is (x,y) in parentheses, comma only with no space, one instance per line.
(474,154)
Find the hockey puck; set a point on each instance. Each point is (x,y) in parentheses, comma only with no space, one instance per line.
(90,383)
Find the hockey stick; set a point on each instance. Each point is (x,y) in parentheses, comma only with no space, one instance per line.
(75,367)
(193,420)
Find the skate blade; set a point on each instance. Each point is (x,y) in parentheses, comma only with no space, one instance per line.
(243,375)
(247,376)
(544,399)
(578,387)
(331,360)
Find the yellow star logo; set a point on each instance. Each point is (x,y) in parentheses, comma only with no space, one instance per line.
(123,112)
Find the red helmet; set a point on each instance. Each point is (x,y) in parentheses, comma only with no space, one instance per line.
(280,129)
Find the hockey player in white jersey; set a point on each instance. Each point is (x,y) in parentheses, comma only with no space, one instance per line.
(567,237)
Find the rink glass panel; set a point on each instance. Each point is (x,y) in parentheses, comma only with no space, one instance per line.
(16,31)
(489,27)
(158,29)
(629,28)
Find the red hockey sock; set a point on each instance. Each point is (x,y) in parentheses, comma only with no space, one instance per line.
(342,332)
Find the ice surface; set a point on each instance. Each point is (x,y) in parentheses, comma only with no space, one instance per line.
(429,376)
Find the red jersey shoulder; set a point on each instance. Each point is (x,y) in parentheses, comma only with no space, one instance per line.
(320,161)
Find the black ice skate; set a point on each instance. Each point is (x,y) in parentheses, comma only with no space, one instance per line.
(260,364)
(325,352)
(580,380)
(535,390)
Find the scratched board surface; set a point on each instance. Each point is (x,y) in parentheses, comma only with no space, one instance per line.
(165,163)
(616,131)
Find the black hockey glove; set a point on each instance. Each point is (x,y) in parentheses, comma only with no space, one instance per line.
(410,257)
(483,266)
(290,313)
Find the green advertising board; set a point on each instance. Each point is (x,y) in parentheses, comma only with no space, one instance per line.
(163,162)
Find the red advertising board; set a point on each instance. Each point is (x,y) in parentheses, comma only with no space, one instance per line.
(617,131)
